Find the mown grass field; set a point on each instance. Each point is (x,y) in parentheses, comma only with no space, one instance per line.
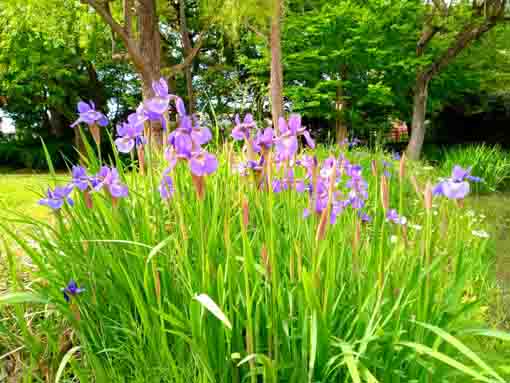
(19,192)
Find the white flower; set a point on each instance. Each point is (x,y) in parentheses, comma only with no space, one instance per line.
(470,213)
(393,239)
(415,227)
(480,233)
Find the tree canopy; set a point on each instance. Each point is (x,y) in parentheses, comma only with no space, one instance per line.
(347,64)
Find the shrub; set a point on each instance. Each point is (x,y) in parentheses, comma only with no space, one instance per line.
(30,154)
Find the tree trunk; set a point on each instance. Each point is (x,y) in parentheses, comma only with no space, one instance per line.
(418,124)
(186,44)
(340,105)
(57,123)
(150,50)
(470,32)
(276,64)
(95,87)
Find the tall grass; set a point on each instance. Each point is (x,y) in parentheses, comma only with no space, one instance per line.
(236,287)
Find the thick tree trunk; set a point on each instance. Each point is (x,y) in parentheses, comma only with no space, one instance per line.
(96,87)
(276,64)
(150,50)
(57,122)
(418,124)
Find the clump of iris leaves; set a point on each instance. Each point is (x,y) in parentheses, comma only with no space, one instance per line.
(269,260)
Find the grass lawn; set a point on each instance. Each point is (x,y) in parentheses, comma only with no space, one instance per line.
(21,192)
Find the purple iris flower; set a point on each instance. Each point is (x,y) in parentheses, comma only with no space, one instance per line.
(244,167)
(200,135)
(242,130)
(180,138)
(89,115)
(358,193)
(179,106)
(80,178)
(155,108)
(55,198)
(264,138)
(189,136)
(166,186)
(354,142)
(287,143)
(386,168)
(109,178)
(344,166)
(71,290)
(277,185)
(351,144)
(309,163)
(203,163)
(285,183)
(456,187)
(158,104)
(329,168)
(353,171)
(392,216)
(396,156)
(129,136)
(139,117)
(364,217)
(302,186)
(337,207)
(356,200)
(459,174)
(452,189)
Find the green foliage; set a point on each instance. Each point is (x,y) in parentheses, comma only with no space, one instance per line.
(47,64)
(185,291)
(363,54)
(30,154)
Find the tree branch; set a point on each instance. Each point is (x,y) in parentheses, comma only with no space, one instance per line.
(441,6)
(127,16)
(258,33)
(105,14)
(130,44)
(188,59)
(427,34)
(470,33)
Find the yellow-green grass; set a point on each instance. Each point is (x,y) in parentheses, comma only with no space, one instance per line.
(19,193)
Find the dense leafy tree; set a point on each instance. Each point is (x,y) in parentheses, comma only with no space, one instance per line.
(48,64)
(461,24)
(348,64)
